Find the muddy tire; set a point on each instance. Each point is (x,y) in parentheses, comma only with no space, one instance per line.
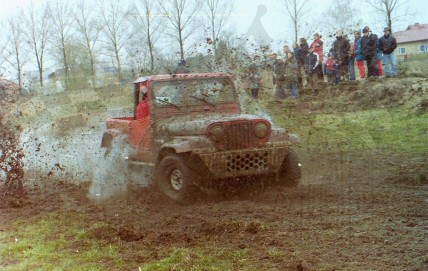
(290,172)
(175,179)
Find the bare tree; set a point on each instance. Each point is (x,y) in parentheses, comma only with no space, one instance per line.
(15,48)
(3,44)
(115,29)
(62,26)
(341,15)
(148,23)
(295,10)
(37,35)
(217,14)
(392,10)
(89,28)
(181,15)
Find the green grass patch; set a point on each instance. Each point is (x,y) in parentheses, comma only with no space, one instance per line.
(90,106)
(120,101)
(70,241)
(55,242)
(415,64)
(394,129)
(196,259)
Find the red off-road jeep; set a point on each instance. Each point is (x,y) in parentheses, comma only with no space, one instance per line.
(196,138)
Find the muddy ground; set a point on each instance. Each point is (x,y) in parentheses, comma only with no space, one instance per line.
(353,211)
(361,210)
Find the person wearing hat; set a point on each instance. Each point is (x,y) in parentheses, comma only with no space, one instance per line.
(312,61)
(143,110)
(387,44)
(369,45)
(341,48)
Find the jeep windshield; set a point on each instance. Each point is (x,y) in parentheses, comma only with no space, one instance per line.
(193,92)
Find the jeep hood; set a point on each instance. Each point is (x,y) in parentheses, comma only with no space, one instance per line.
(196,124)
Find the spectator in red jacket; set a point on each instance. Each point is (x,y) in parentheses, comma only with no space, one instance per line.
(317,44)
(330,69)
(143,109)
(359,57)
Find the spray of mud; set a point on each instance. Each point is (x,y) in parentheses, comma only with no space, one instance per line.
(75,156)
(11,160)
(251,106)
(112,175)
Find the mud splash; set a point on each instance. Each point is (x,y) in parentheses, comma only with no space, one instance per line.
(11,160)
(75,158)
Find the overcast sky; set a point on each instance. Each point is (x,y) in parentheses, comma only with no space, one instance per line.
(273,21)
(276,25)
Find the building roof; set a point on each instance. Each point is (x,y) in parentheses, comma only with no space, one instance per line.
(416,32)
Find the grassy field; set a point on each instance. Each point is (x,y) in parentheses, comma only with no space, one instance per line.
(414,64)
(394,129)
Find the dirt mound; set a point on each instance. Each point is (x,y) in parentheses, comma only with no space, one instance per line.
(379,93)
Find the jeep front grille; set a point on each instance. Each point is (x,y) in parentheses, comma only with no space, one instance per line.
(240,136)
(244,162)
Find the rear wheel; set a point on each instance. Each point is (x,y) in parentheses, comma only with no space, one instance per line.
(290,172)
(175,179)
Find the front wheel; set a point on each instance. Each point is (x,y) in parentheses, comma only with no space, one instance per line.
(290,172)
(175,179)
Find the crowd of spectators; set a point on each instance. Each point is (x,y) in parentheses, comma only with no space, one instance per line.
(305,66)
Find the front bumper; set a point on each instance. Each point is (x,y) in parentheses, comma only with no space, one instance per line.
(246,162)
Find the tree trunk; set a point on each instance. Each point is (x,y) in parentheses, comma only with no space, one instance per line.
(181,44)
(295,24)
(19,74)
(91,59)
(389,21)
(67,73)
(119,67)
(152,57)
(213,35)
(41,74)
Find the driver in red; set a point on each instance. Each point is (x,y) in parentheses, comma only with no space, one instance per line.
(143,110)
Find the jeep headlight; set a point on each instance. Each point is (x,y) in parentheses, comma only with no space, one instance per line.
(218,133)
(261,129)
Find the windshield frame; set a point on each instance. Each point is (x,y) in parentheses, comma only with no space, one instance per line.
(204,92)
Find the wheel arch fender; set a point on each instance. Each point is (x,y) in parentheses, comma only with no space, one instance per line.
(179,146)
(188,143)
